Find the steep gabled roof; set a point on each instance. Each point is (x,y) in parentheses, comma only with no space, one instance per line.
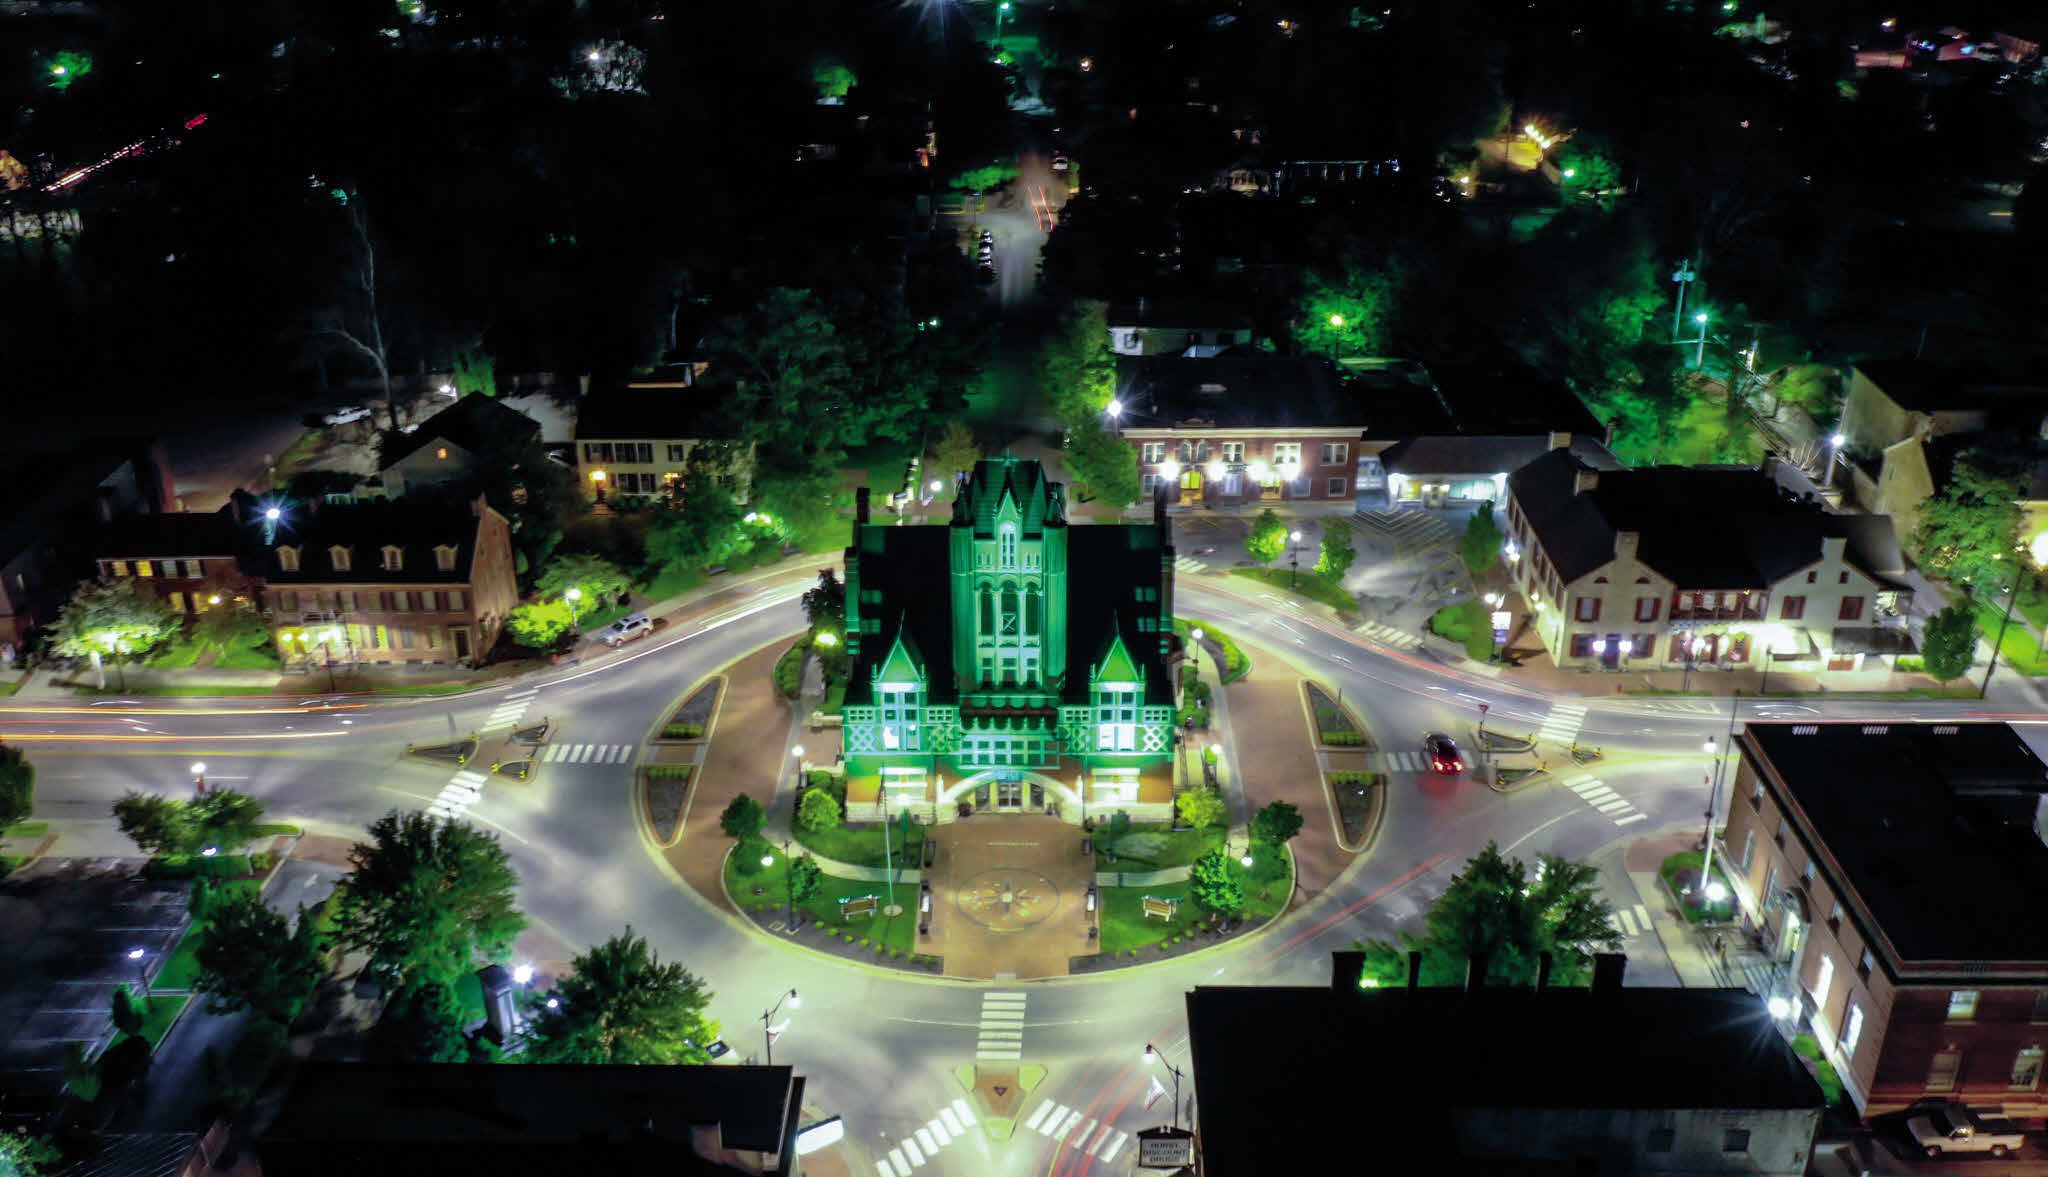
(903,663)
(475,423)
(1116,664)
(1020,481)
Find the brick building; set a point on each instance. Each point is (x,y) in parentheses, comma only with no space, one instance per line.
(390,584)
(1893,871)
(192,562)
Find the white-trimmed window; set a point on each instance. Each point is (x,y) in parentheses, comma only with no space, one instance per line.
(394,558)
(1336,453)
(1854,1030)
(1286,452)
(1962,1004)
(1154,452)
(2026,1069)
(899,712)
(1233,452)
(1006,546)
(288,558)
(444,558)
(338,557)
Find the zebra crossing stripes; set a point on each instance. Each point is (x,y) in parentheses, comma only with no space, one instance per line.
(1562,725)
(508,713)
(1001,1034)
(458,795)
(586,753)
(1186,564)
(923,1143)
(1605,801)
(1404,761)
(1082,1133)
(1387,635)
(1622,920)
(1410,531)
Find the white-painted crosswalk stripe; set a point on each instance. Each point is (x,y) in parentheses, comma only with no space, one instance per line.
(1073,1118)
(1622,821)
(1109,1154)
(1614,806)
(528,693)
(1561,726)
(1001,1015)
(1643,916)
(916,1154)
(939,1133)
(1620,922)
(1044,1106)
(1185,564)
(952,1122)
(924,1137)
(965,1113)
(894,1164)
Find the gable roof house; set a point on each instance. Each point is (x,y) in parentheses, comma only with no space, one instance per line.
(448,444)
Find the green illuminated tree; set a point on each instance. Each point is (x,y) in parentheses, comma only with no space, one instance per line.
(596,578)
(743,818)
(1587,164)
(1076,369)
(1211,884)
(1201,808)
(1351,311)
(251,958)
(1948,644)
(983,176)
(819,811)
(221,818)
(804,879)
(114,618)
(957,451)
(1337,553)
(1480,547)
(1278,822)
(67,66)
(1102,465)
(1505,911)
(22,1155)
(427,898)
(538,625)
(621,1004)
(234,624)
(1967,532)
(155,823)
(1268,537)
(833,78)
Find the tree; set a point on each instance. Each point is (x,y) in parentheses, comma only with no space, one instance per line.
(425,898)
(825,605)
(1212,885)
(804,879)
(957,452)
(1587,165)
(743,818)
(621,1005)
(1102,465)
(1948,644)
(424,1024)
(234,624)
(27,1156)
(833,78)
(157,824)
(474,371)
(1338,555)
(1268,537)
(1277,823)
(700,526)
(594,577)
(128,1010)
(1498,909)
(1814,388)
(984,176)
(353,322)
(1352,312)
(251,958)
(115,618)
(17,786)
(1076,369)
(1481,545)
(222,818)
(1967,532)
(819,811)
(1201,808)
(538,625)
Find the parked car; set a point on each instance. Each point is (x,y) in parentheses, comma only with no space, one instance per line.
(1059,162)
(628,628)
(1442,753)
(1951,1127)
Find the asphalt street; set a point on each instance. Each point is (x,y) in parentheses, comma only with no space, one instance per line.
(880,1048)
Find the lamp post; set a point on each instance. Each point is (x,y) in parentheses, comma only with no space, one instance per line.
(1835,443)
(2012,595)
(1764,687)
(572,596)
(1713,788)
(1002,7)
(1600,650)
(1683,276)
(1115,409)
(141,960)
(796,773)
(1337,324)
(1692,649)
(1493,601)
(1152,1056)
(199,776)
(1699,356)
(1293,557)
(768,1020)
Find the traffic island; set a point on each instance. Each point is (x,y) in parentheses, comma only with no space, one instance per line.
(1145,920)
(1357,796)
(456,752)
(843,917)
(998,1092)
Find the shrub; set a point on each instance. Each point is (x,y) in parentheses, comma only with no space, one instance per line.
(194,866)
(1345,737)
(1351,779)
(670,772)
(682,731)
(747,856)
(819,811)
(789,669)
(849,937)
(1908,665)
(818,923)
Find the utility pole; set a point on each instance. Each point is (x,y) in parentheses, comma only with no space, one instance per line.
(2012,596)
(1684,276)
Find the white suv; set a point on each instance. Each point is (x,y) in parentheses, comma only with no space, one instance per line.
(627,628)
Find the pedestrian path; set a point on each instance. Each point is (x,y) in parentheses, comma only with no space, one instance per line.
(920,1146)
(585,753)
(1605,800)
(508,713)
(1405,761)
(1630,921)
(1002,1027)
(1562,725)
(458,795)
(1410,531)
(1387,635)
(1188,564)
(1079,1132)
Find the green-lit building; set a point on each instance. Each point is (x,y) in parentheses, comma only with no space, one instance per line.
(1007,660)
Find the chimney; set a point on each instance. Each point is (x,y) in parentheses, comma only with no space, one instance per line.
(1475,971)
(1834,549)
(1345,970)
(1607,970)
(1584,480)
(1415,970)
(1561,441)
(1544,963)
(860,506)
(1625,544)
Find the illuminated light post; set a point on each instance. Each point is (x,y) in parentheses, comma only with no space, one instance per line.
(1836,441)
(1152,1055)
(1493,601)
(1713,791)
(572,596)
(1002,10)
(1692,652)
(1699,356)
(796,756)
(141,960)
(199,776)
(768,1019)
(1684,276)
(2012,595)
(1293,557)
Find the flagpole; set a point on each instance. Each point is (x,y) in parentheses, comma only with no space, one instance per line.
(888,859)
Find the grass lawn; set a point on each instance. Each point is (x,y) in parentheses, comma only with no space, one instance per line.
(253,657)
(26,829)
(1679,871)
(1152,845)
(1235,663)
(1306,584)
(672,582)
(431,688)
(176,654)
(193,692)
(1267,884)
(182,968)
(161,1011)
(898,934)
(273,829)
(1467,622)
(8,688)
(2021,651)
(862,845)
(835,699)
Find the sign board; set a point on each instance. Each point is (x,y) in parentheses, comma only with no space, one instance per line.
(865,905)
(1165,1148)
(1163,908)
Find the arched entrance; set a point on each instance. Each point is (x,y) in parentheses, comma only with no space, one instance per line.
(1012,790)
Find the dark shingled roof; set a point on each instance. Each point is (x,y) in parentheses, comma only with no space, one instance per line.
(1708,527)
(1404,1059)
(355,1118)
(172,535)
(1239,388)
(475,423)
(1932,825)
(364,528)
(1483,456)
(1933,388)
(648,414)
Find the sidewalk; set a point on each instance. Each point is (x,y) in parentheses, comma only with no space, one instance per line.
(745,754)
(1689,947)
(1271,731)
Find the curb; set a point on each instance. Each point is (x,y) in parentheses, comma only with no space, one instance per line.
(1379,805)
(639,760)
(790,942)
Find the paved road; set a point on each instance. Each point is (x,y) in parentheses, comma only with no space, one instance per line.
(879,1047)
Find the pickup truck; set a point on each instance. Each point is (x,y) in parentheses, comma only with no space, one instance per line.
(1952,1128)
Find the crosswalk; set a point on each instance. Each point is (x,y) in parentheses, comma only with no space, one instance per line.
(585,753)
(1387,635)
(1410,531)
(920,1146)
(1187,564)
(1406,761)
(458,795)
(1606,801)
(1080,1132)
(1562,725)
(1001,1035)
(1630,921)
(508,713)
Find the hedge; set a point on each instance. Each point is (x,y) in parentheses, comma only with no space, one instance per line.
(1344,738)
(1235,664)
(670,772)
(682,731)
(1342,779)
(789,669)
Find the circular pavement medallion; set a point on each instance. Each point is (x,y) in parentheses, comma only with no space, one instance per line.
(1007,899)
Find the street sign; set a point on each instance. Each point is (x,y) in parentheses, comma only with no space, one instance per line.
(1165,1148)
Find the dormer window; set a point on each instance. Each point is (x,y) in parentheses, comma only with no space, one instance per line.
(394,558)
(338,557)
(288,558)
(444,558)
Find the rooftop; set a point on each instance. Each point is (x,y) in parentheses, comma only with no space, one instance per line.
(183,535)
(417,527)
(1934,388)
(1899,805)
(1236,389)
(1408,1054)
(650,413)
(1439,454)
(1753,536)
(476,423)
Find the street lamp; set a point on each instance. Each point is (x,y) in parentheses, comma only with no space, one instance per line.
(199,776)
(1699,357)
(1293,557)
(522,974)
(1195,636)
(141,970)
(1713,788)
(572,596)
(796,754)
(1998,643)
(1764,688)
(1836,441)
(1692,650)
(1001,9)
(1683,276)
(1152,1056)
(767,1020)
